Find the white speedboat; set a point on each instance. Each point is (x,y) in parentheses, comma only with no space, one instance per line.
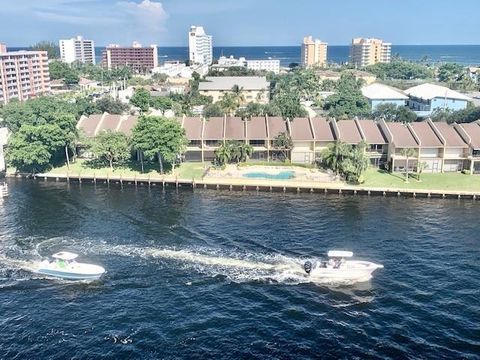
(64,266)
(337,269)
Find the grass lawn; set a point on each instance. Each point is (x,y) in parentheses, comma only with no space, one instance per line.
(85,167)
(445,181)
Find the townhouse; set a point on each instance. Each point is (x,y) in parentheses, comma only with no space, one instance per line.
(439,147)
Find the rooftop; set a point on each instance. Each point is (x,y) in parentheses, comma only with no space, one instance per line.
(384,92)
(426,134)
(372,132)
(322,129)
(349,132)
(402,137)
(450,134)
(431,91)
(228,82)
(300,129)
(473,131)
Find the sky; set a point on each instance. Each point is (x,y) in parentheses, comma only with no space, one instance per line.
(240,22)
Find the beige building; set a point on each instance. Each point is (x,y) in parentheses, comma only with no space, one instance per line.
(253,88)
(314,52)
(369,51)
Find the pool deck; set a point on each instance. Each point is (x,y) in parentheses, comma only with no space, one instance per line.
(245,184)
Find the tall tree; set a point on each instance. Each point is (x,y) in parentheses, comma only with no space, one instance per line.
(284,143)
(407,153)
(111,146)
(52,49)
(348,101)
(333,156)
(32,147)
(228,103)
(110,105)
(392,112)
(160,137)
(142,99)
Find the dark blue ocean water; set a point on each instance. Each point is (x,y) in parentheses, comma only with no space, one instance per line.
(212,274)
(462,54)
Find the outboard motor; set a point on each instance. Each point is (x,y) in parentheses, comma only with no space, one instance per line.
(307,267)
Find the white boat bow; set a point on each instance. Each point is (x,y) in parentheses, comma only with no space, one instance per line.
(64,266)
(338,269)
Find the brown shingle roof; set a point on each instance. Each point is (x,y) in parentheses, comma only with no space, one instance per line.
(451,136)
(402,137)
(473,130)
(426,135)
(213,129)
(322,129)
(300,129)
(89,124)
(276,125)
(110,122)
(257,128)
(372,131)
(127,124)
(234,128)
(193,128)
(349,132)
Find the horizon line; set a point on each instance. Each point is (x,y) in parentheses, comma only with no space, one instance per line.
(292,45)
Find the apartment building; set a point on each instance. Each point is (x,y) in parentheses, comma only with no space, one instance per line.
(77,49)
(269,65)
(424,99)
(200,46)
(314,52)
(23,74)
(440,147)
(369,51)
(253,88)
(471,135)
(140,59)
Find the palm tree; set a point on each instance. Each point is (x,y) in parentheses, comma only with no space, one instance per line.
(223,154)
(334,155)
(228,103)
(407,153)
(246,150)
(238,94)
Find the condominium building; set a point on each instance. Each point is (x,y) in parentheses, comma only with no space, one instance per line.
(314,52)
(77,49)
(200,46)
(23,74)
(140,59)
(252,88)
(269,65)
(369,51)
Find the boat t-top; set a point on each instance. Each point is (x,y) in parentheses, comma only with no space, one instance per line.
(338,269)
(64,266)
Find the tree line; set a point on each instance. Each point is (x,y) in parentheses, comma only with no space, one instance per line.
(44,134)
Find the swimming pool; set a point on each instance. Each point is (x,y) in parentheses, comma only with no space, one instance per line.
(282,175)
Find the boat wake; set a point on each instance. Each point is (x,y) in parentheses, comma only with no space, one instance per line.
(236,266)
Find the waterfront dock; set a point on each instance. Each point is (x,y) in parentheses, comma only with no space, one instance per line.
(234,184)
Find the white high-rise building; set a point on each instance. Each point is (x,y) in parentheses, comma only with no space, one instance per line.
(77,49)
(200,46)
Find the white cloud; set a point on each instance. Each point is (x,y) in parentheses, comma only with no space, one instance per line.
(147,15)
(107,21)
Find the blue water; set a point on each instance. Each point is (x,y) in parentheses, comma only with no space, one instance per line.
(282,175)
(217,274)
(462,54)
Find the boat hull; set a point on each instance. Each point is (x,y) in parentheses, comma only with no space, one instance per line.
(76,271)
(350,272)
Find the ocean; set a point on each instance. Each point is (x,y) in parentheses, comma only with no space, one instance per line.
(218,274)
(462,54)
